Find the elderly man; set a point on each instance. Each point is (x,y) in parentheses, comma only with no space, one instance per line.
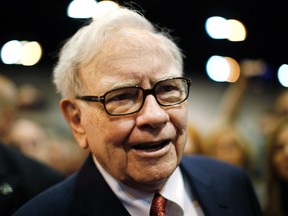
(124,97)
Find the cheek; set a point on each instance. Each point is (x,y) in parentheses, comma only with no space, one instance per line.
(179,119)
(106,136)
(108,130)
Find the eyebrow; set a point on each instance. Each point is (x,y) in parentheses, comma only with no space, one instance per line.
(126,83)
(131,83)
(109,86)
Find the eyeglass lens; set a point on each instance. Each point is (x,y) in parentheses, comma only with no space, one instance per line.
(129,100)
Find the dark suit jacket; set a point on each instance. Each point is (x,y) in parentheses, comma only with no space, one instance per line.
(21,178)
(221,189)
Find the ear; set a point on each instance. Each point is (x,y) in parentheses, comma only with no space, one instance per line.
(72,114)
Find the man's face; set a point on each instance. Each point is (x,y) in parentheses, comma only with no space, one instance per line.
(120,143)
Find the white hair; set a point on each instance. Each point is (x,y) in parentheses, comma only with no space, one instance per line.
(88,42)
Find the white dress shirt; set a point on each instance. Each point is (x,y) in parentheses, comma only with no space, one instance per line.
(176,191)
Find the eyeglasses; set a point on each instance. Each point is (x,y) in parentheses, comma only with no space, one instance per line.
(129,100)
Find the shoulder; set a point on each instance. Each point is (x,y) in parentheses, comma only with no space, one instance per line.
(47,202)
(209,171)
(221,183)
(205,162)
(14,159)
(24,177)
(216,169)
(31,171)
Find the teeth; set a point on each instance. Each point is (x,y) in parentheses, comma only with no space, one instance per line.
(149,146)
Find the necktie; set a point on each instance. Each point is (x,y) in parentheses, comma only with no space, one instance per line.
(158,205)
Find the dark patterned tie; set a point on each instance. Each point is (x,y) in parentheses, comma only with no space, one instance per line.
(158,205)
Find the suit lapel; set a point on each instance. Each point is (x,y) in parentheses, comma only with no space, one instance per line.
(212,202)
(94,196)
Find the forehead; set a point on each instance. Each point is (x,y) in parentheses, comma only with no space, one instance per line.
(132,55)
(135,45)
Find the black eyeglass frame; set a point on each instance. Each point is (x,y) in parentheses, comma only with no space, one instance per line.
(146,92)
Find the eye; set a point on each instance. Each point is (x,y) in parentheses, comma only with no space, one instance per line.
(122,95)
(166,88)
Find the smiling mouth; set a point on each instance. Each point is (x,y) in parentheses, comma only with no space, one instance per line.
(151,146)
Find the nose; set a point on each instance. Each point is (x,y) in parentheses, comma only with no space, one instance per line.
(152,114)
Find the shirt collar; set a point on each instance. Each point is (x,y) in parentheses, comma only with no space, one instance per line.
(139,202)
(174,189)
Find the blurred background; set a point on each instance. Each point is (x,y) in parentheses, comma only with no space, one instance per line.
(265,38)
(266,24)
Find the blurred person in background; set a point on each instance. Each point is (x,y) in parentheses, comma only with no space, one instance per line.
(21,177)
(281,103)
(278,110)
(29,136)
(58,152)
(230,138)
(194,143)
(10,122)
(30,97)
(226,143)
(276,203)
(8,106)
(226,139)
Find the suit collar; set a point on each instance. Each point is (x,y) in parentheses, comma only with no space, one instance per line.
(212,201)
(95,200)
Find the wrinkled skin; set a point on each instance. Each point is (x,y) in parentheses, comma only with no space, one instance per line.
(112,139)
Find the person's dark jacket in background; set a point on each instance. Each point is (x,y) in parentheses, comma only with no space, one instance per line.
(21,178)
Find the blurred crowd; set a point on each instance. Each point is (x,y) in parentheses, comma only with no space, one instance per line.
(226,141)
(28,135)
(268,167)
